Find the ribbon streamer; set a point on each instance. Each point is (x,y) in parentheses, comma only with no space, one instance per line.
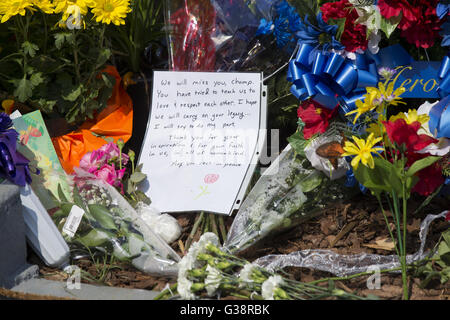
(329,78)
(13,165)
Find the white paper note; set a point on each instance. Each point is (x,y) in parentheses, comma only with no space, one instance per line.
(202,134)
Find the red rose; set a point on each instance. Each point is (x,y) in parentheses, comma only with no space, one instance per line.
(354,36)
(402,133)
(315,117)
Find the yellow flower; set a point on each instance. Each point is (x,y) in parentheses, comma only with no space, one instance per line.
(61,6)
(389,95)
(362,150)
(45,5)
(107,11)
(371,101)
(12,8)
(411,117)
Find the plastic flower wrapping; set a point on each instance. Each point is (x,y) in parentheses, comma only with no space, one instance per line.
(117,218)
(109,224)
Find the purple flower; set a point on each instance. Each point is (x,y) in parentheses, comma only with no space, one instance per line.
(5,122)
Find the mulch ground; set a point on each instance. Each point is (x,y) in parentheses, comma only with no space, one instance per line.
(347,228)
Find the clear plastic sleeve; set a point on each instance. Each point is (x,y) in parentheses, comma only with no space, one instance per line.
(344,265)
(221,35)
(110,225)
(289,192)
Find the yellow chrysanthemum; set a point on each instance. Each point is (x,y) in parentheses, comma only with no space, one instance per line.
(362,150)
(45,5)
(61,6)
(12,8)
(411,117)
(107,11)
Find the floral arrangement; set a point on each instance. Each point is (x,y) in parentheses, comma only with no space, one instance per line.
(209,271)
(58,53)
(116,168)
(385,149)
(109,225)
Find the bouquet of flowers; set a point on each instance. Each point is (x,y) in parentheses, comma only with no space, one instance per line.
(207,270)
(289,192)
(107,223)
(391,152)
(59,51)
(116,168)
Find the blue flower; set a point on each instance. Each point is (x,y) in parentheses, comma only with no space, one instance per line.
(310,33)
(281,32)
(265,27)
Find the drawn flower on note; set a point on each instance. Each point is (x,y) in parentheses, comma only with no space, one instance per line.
(211,178)
(204,192)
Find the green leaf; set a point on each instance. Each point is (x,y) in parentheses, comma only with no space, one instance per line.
(421,164)
(59,40)
(298,143)
(29,48)
(102,216)
(389,25)
(36,79)
(66,208)
(74,94)
(61,195)
(24,89)
(378,178)
(94,238)
(138,177)
(103,57)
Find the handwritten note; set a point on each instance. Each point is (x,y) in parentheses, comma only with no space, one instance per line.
(202,134)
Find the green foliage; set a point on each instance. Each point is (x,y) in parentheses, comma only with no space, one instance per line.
(143,26)
(60,71)
(439,266)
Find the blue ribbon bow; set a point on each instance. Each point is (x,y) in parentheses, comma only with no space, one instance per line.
(329,78)
(439,123)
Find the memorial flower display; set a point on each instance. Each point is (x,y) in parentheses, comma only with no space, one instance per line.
(217,149)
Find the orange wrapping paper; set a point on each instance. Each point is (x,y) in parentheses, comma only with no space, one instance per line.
(115,121)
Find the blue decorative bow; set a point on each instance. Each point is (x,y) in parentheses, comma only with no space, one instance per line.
(329,78)
(439,123)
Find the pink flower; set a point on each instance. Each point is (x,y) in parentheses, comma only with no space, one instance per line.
(91,161)
(110,175)
(111,151)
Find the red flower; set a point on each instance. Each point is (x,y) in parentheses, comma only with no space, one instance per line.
(354,36)
(402,133)
(315,117)
(430,179)
(420,25)
(447,216)
(392,8)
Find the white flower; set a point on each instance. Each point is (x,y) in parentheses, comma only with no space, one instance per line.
(437,149)
(323,164)
(184,289)
(269,286)
(246,272)
(212,280)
